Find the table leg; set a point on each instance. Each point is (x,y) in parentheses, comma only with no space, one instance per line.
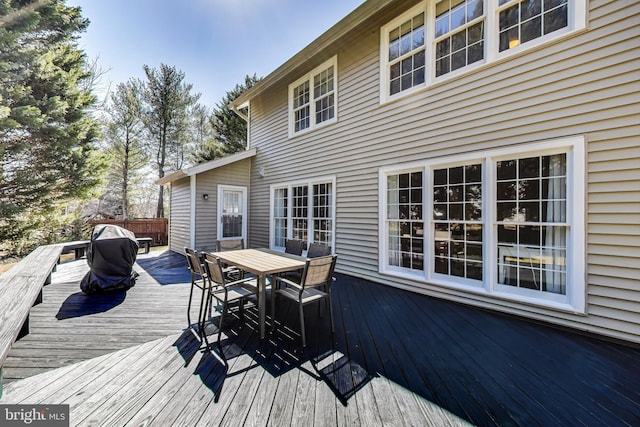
(262,296)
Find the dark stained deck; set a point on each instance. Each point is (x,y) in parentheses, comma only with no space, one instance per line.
(396,358)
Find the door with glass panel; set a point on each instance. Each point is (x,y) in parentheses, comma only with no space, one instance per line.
(232,213)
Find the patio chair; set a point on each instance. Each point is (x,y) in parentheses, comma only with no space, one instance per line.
(226,292)
(229,245)
(232,272)
(198,280)
(294,246)
(318,249)
(314,285)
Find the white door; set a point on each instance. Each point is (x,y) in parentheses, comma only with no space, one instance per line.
(232,212)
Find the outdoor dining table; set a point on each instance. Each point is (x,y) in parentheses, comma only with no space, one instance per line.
(262,262)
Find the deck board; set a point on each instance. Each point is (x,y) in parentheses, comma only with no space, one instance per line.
(396,358)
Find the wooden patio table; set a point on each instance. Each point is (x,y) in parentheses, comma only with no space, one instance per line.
(262,262)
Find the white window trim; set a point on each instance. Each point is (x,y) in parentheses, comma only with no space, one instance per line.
(289,186)
(243,190)
(575,299)
(312,108)
(577,21)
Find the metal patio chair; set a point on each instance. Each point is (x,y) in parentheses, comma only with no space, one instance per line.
(318,249)
(232,272)
(225,291)
(315,285)
(198,280)
(294,246)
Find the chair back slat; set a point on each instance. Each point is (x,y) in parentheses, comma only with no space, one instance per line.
(318,249)
(318,271)
(229,245)
(214,269)
(194,261)
(295,247)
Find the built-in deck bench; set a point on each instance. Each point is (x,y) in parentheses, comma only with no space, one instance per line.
(79,247)
(20,289)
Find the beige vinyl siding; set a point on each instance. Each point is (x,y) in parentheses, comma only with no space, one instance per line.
(179,215)
(236,174)
(586,84)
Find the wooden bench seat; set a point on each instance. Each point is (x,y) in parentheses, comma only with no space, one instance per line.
(80,247)
(21,289)
(145,242)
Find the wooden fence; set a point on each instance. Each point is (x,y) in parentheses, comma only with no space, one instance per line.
(155,228)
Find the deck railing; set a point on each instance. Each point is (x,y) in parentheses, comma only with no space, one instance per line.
(155,228)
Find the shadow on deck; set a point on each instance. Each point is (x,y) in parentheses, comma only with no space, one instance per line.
(397,358)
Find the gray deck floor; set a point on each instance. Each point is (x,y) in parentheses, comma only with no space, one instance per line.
(396,359)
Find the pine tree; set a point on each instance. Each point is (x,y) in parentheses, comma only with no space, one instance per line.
(123,135)
(46,135)
(168,101)
(231,129)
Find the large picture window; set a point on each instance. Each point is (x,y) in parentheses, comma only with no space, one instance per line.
(313,99)
(508,222)
(303,211)
(438,39)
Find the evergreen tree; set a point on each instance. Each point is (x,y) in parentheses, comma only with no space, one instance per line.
(46,135)
(123,135)
(230,129)
(205,145)
(168,102)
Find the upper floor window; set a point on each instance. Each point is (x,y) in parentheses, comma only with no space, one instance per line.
(440,38)
(521,21)
(313,99)
(406,54)
(459,34)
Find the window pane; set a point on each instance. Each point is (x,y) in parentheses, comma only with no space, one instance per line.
(459,188)
(405,226)
(407,55)
(531,254)
(463,44)
(531,19)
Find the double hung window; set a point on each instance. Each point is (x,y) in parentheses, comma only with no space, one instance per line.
(313,99)
(522,21)
(459,34)
(503,222)
(303,211)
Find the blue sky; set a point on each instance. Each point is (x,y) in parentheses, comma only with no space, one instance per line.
(214,42)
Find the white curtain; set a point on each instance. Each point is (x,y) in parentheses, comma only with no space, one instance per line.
(393,214)
(555,238)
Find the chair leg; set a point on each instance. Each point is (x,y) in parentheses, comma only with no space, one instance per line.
(333,329)
(304,341)
(273,309)
(202,321)
(222,316)
(202,314)
(189,307)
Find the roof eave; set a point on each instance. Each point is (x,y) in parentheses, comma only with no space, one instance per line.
(204,167)
(355,18)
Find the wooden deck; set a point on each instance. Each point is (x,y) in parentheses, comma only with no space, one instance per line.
(396,359)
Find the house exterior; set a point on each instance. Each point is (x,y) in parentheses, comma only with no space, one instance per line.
(483,152)
(209,202)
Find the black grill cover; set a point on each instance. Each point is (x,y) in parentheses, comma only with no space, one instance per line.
(111,255)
